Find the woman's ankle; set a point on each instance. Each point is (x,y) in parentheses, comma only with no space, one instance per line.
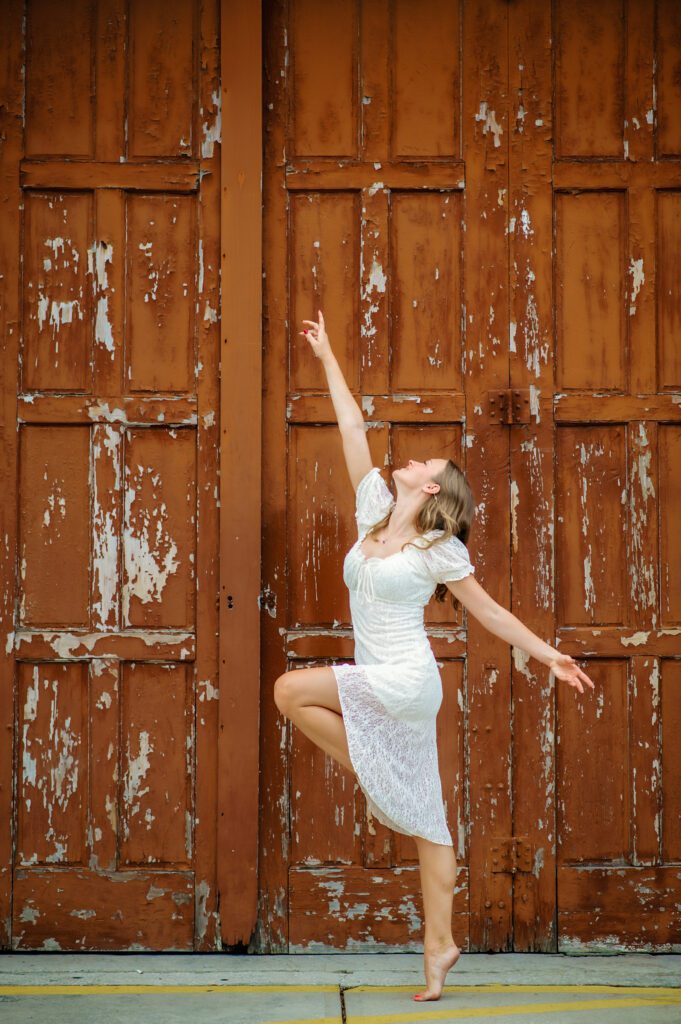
(438,945)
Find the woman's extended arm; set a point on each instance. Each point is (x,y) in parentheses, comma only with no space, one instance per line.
(504,624)
(348,413)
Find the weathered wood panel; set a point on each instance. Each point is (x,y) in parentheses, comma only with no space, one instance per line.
(615,241)
(380,244)
(109,266)
(481,226)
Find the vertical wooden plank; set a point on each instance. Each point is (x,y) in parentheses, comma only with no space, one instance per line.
(208,852)
(111,29)
(240,465)
(486,152)
(646,760)
(272,934)
(11,133)
(532,485)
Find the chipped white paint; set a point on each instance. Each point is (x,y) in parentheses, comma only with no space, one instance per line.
(433,359)
(373,188)
(101,411)
(542,523)
(212,132)
(54,500)
(409,910)
(58,311)
(636,639)
(31,703)
(200,279)
(525,223)
(637,281)
(534,402)
(534,350)
(57,782)
(512,326)
(491,677)
(641,493)
(376,282)
(368,404)
(209,692)
(30,914)
(98,255)
(70,645)
(586,454)
(105,526)
(490,122)
(149,550)
(515,499)
(135,774)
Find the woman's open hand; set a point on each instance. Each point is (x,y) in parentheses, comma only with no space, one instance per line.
(565,667)
(317,336)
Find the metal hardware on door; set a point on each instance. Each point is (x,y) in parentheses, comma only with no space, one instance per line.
(510,405)
(512,853)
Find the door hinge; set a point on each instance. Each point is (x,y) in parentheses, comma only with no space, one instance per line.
(510,405)
(511,854)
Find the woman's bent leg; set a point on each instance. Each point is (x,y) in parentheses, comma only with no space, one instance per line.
(309,698)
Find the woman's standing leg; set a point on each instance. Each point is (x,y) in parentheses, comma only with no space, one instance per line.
(437,865)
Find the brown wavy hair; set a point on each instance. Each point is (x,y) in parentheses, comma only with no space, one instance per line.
(451,510)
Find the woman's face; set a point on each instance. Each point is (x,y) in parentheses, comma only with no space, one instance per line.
(414,475)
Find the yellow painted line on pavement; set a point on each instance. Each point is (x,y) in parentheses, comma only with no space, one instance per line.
(150,990)
(472,1013)
(498,986)
(673,993)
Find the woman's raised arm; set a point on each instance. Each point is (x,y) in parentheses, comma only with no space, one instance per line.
(348,413)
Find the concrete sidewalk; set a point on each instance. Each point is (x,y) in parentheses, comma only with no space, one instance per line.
(337,988)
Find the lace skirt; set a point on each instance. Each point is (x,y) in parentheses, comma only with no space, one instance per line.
(395,761)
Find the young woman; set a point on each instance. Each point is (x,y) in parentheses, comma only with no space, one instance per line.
(377,716)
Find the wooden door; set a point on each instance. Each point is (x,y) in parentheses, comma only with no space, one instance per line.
(378,172)
(109,270)
(594,258)
(486,264)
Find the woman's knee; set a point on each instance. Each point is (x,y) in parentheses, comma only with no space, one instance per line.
(284,688)
(304,686)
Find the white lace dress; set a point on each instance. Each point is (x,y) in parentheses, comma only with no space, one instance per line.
(392,693)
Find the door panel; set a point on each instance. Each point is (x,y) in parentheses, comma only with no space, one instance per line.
(494,267)
(587,258)
(109,272)
(372,215)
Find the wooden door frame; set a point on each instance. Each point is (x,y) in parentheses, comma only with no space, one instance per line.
(241,219)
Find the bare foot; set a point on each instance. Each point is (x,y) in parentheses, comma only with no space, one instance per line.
(437,963)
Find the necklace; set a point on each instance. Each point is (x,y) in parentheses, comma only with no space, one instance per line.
(381,541)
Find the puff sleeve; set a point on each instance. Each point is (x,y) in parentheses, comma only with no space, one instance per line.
(373,499)
(448,560)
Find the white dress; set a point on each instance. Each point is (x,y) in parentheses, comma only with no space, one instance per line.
(392,693)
